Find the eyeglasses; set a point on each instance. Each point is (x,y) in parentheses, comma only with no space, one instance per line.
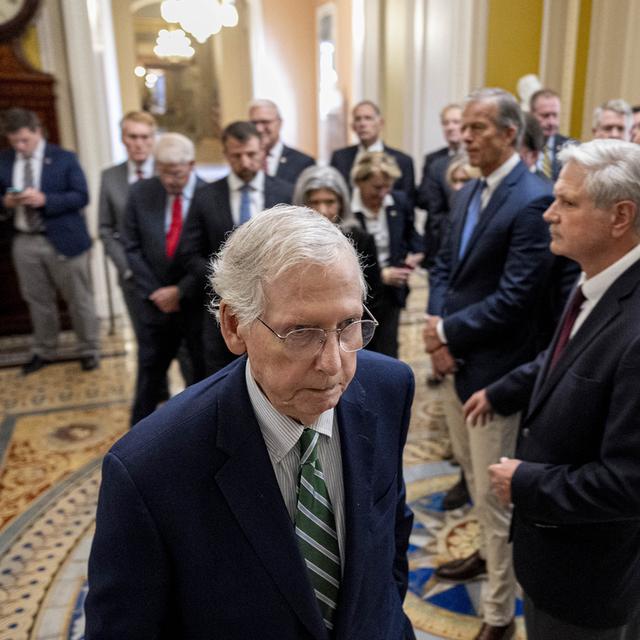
(308,342)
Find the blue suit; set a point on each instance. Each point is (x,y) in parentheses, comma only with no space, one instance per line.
(485,297)
(65,187)
(576,528)
(193,539)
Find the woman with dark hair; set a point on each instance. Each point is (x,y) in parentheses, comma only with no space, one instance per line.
(388,217)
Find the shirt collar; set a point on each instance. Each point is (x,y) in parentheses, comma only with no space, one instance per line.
(595,287)
(358,205)
(276,150)
(38,152)
(146,167)
(496,177)
(280,432)
(189,188)
(257,184)
(378,145)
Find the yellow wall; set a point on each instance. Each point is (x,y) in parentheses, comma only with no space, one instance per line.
(31,47)
(290,38)
(513,41)
(580,73)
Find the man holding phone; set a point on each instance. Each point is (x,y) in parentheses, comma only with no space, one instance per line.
(45,188)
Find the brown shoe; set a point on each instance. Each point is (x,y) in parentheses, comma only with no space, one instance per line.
(489,632)
(462,569)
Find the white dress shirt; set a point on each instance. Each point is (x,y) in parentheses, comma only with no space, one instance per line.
(256,195)
(146,167)
(187,197)
(376,225)
(281,435)
(17,179)
(273,158)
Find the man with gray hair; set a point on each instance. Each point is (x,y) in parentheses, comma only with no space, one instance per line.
(575,478)
(280,161)
(487,277)
(169,296)
(268,500)
(612,120)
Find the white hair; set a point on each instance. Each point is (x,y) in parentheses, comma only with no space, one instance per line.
(264,102)
(612,171)
(174,148)
(267,246)
(619,106)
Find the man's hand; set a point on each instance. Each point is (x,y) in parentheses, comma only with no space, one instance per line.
(500,476)
(442,362)
(31,197)
(430,336)
(167,299)
(478,409)
(395,276)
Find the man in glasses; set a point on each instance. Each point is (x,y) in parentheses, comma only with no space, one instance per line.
(268,500)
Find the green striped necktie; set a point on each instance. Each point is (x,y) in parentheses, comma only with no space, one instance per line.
(316,528)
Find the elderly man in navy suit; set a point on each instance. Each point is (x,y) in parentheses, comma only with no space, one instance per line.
(575,479)
(170,300)
(266,501)
(280,161)
(488,275)
(45,188)
(223,205)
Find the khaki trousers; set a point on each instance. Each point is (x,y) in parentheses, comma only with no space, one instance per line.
(475,448)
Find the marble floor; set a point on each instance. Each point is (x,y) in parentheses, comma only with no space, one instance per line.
(56,424)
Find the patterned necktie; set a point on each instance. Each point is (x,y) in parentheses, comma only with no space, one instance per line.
(245,203)
(473,212)
(34,221)
(139,173)
(546,162)
(573,311)
(316,528)
(173,236)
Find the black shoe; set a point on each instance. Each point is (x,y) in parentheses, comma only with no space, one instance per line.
(89,363)
(35,364)
(462,569)
(434,381)
(457,496)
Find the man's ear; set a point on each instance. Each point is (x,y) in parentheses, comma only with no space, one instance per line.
(624,216)
(229,328)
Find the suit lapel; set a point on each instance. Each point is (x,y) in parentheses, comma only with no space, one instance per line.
(395,224)
(601,316)
(223,205)
(464,197)
(250,488)
(270,195)
(47,169)
(358,430)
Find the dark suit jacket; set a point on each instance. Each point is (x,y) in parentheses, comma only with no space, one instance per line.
(343,159)
(145,245)
(403,238)
(210,221)
(292,164)
(485,298)
(558,142)
(576,528)
(435,195)
(65,187)
(114,189)
(193,539)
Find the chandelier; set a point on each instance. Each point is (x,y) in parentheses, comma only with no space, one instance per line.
(200,18)
(173,45)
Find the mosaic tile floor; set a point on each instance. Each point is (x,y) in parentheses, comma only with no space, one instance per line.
(54,428)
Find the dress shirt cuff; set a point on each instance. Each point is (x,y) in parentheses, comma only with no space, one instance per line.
(440,331)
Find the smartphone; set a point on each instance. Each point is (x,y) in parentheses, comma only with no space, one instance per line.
(14,190)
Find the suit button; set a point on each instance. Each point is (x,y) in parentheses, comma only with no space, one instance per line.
(525,432)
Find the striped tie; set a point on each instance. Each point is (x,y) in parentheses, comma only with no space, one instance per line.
(316,528)
(546,162)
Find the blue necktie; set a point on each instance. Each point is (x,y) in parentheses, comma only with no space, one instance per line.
(245,203)
(473,212)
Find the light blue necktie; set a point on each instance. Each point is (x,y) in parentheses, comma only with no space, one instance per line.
(473,212)
(245,203)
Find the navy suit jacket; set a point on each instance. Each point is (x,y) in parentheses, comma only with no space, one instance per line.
(292,163)
(144,240)
(576,527)
(65,187)
(343,159)
(193,539)
(485,297)
(210,221)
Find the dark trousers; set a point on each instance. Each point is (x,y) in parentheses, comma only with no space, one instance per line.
(158,345)
(542,626)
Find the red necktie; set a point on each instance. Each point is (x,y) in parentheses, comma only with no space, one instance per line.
(569,320)
(173,237)
(139,174)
